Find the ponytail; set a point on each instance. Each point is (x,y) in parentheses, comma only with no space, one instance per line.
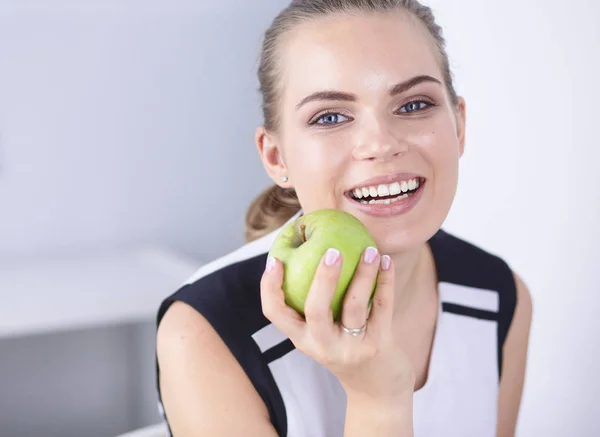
(269,211)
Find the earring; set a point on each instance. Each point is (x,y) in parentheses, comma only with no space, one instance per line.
(284,179)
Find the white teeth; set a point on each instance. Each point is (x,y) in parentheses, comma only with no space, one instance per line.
(384,201)
(414,183)
(395,188)
(383,190)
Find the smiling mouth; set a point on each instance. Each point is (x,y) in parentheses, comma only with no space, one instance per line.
(387,194)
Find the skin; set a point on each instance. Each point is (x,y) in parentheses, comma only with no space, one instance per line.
(373,135)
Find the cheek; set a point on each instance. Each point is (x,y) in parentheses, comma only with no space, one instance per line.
(315,154)
(316,164)
(438,146)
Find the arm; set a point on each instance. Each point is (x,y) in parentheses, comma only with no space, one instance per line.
(205,392)
(514,364)
(379,419)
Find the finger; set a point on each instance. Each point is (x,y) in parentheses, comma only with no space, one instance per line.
(356,300)
(380,320)
(317,308)
(285,318)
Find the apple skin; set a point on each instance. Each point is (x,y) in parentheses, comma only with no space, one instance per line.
(323,229)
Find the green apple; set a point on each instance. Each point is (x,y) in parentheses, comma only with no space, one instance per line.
(302,243)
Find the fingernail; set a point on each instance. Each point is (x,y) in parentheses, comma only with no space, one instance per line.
(385,262)
(370,255)
(331,256)
(270,264)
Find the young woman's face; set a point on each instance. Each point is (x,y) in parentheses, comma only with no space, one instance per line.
(365,116)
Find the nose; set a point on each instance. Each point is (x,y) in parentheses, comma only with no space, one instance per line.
(376,142)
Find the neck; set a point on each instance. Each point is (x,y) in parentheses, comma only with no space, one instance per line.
(410,267)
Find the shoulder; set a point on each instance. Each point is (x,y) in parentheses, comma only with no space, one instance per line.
(200,380)
(483,282)
(209,326)
(462,262)
(218,306)
(524,300)
(181,327)
(226,291)
(518,334)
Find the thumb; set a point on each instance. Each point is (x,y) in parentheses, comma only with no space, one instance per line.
(272,278)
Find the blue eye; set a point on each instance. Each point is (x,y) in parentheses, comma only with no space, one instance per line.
(415,106)
(330,119)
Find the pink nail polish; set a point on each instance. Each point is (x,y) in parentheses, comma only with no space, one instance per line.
(385,262)
(270,264)
(370,255)
(331,257)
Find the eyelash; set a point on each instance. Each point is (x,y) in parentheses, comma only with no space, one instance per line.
(318,117)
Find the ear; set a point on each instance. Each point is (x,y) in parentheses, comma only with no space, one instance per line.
(272,157)
(461,124)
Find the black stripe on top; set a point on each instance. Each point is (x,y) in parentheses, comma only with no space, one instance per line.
(278,351)
(470,312)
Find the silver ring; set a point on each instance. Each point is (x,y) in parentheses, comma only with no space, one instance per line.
(355,332)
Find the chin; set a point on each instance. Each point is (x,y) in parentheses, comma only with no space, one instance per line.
(408,228)
(397,237)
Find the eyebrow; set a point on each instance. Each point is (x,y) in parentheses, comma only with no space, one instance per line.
(347,97)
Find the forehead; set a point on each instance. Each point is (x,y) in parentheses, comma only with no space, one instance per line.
(356,53)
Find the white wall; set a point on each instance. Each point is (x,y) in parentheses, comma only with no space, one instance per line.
(131,121)
(529,188)
(128,121)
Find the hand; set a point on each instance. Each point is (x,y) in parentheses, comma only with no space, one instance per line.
(369,366)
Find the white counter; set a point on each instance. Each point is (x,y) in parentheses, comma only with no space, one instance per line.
(85,291)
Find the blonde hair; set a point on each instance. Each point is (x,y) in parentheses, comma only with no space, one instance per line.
(274,206)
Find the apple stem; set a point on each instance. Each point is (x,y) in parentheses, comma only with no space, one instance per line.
(303,233)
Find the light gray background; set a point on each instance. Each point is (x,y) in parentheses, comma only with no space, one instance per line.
(124,122)
(121,123)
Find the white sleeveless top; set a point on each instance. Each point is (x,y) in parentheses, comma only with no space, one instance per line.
(477,296)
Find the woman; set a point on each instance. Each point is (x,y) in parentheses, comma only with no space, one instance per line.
(360,115)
